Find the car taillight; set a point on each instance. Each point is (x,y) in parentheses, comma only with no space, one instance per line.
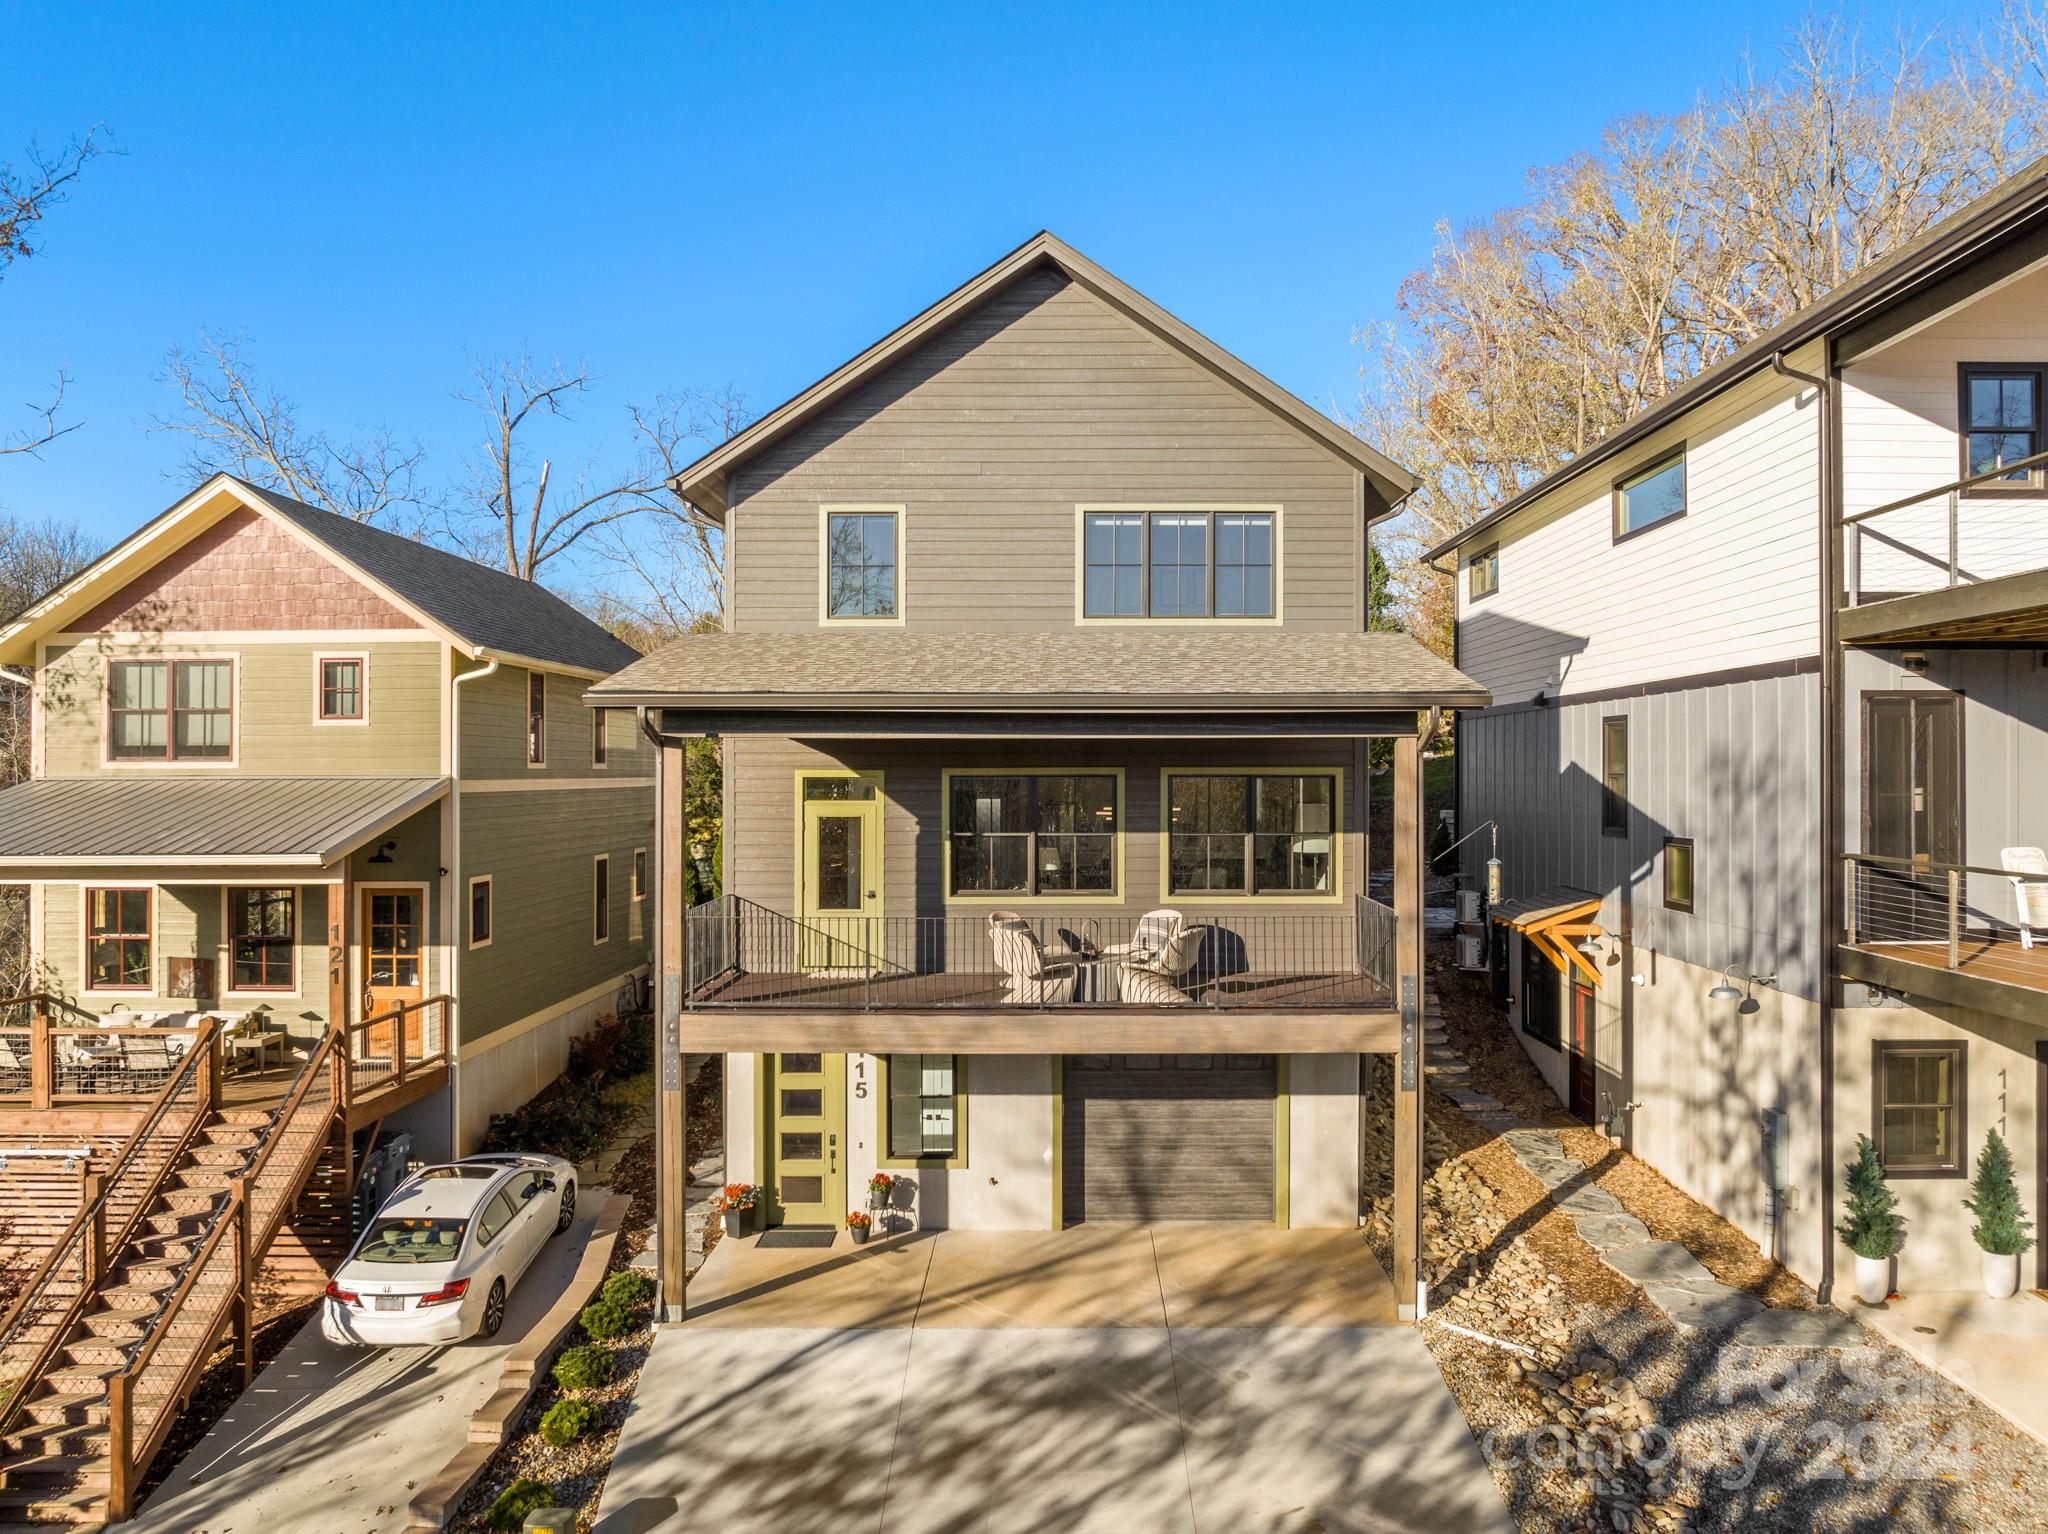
(447,1294)
(346,1296)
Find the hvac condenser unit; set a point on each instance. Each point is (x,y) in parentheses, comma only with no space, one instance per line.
(1471,951)
(1468,905)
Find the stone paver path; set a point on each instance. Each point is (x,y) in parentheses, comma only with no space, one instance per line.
(1676,1282)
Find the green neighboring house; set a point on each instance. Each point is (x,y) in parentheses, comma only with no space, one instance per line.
(264,734)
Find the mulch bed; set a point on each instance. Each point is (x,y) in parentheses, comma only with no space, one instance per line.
(577,1471)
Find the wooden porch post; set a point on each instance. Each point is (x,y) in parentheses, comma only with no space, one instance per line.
(672,1160)
(42,1054)
(90,1186)
(1408,1062)
(245,1280)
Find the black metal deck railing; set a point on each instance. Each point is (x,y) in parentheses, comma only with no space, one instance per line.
(742,954)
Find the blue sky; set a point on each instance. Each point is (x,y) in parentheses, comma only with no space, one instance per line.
(747,195)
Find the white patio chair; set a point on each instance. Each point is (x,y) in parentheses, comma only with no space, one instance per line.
(1154,931)
(1158,979)
(1035,978)
(2029,868)
(14,1072)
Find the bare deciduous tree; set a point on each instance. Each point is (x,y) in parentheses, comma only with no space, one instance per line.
(238,424)
(669,565)
(1630,269)
(510,519)
(25,200)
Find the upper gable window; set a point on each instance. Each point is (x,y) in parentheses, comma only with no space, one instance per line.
(1483,573)
(2001,409)
(536,718)
(1656,494)
(1179,564)
(863,564)
(170,710)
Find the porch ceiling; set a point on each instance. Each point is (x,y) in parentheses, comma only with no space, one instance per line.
(197,822)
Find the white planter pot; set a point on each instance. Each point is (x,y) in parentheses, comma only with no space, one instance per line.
(2001,1275)
(1873,1279)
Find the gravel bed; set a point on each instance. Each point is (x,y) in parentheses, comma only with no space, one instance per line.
(1599,1414)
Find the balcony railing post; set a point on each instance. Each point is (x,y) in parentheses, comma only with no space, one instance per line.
(1853,558)
(92,1187)
(1955,917)
(1954,553)
(42,1054)
(1849,905)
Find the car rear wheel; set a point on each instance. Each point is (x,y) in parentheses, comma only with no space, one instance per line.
(494,1310)
(567,1216)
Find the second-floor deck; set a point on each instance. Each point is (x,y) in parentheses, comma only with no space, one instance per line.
(1953,933)
(1038,981)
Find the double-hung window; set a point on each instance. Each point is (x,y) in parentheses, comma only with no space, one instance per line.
(1919,1097)
(170,710)
(117,940)
(1032,834)
(342,691)
(1179,564)
(862,564)
(923,1106)
(2001,414)
(263,933)
(1254,834)
(1650,496)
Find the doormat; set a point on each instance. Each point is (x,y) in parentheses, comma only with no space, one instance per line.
(798,1235)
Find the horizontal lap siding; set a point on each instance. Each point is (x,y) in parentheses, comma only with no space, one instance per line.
(991,435)
(538,847)
(494,731)
(1732,583)
(1899,436)
(761,829)
(275,730)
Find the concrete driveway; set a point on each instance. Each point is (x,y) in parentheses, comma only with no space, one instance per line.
(1101,1380)
(337,1439)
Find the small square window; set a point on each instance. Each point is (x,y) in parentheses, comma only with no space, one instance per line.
(1919,1097)
(1678,873)
(341,688)
(1655,495)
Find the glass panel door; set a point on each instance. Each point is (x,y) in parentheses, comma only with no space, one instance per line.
(807,1139)
(842,884)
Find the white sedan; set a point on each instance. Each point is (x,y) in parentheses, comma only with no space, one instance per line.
(437,1261)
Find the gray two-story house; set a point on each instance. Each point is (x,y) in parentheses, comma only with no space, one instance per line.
(1045,700)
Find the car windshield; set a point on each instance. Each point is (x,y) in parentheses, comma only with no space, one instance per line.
(412,1240)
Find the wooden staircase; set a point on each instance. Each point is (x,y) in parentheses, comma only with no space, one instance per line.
(103,1347)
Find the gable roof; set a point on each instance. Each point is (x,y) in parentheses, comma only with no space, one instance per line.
(483,612)
(1933,254)
(703,482)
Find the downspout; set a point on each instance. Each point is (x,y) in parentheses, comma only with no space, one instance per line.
(1830,791)
(458,940)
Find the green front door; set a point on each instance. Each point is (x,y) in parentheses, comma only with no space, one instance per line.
(806,1139)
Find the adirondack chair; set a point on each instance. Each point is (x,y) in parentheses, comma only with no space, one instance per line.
(2029,868)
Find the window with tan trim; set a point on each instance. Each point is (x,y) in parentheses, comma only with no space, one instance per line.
(170,710)
(1918,1104)
(344,689)
(118,939)
(1261,833)
(601,898)
(536,719)
(263,932)
(600,747)
(480,913)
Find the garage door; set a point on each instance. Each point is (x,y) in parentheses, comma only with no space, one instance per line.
(1167,1137)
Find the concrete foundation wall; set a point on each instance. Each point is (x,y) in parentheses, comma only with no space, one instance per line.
(1322,1140)
(2000,1080)
(525,1057)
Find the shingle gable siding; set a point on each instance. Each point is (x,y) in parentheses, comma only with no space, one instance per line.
(242,573)
(991,434)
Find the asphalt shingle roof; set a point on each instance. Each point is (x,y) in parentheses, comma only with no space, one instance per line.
(1248,665)
(227,816)
(486,607)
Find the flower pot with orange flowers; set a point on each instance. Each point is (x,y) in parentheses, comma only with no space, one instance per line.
(737,1205)
(857,1226)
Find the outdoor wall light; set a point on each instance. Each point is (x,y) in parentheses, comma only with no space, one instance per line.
(1746,996)
(383,852)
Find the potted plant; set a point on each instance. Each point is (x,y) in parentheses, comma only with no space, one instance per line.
(1870,1226)
(857,1225)
(2002,1225)
(880,1187)
(737,1204)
